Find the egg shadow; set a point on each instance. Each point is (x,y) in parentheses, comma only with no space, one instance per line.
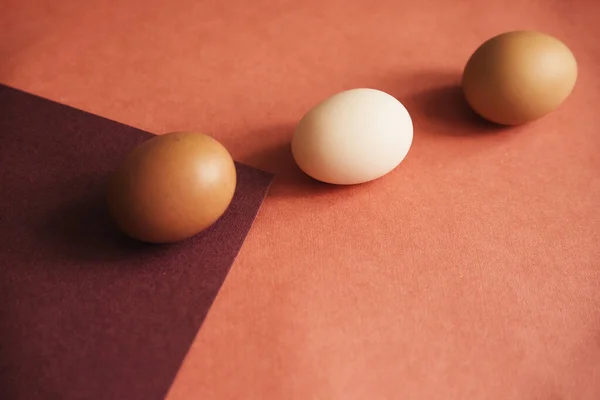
(276,157)
(437,104)
(79,228)
(444,110)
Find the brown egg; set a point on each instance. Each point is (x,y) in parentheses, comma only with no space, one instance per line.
(518,77)
(172,187)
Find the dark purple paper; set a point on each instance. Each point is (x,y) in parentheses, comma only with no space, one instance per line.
(86,312)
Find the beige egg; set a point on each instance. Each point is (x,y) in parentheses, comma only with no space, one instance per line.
(518,77)
(353,137)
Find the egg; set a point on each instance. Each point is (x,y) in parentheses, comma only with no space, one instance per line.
(353,137)
(518,77)
(172,187)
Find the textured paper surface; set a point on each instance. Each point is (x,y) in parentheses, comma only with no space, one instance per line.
(470,272)
(87,313)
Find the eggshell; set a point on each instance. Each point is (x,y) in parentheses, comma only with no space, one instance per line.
(518,77)
(172,187)
(353,137)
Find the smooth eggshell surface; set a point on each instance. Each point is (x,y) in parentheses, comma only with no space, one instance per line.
(172,187)
(353,137)
(518,77)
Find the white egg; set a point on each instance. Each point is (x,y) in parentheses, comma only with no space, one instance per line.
(353,137)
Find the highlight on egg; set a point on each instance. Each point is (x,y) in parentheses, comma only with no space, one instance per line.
(172,187)
(520,76)
(353,137)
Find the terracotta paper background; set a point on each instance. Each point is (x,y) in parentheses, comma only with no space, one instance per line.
(472,271)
